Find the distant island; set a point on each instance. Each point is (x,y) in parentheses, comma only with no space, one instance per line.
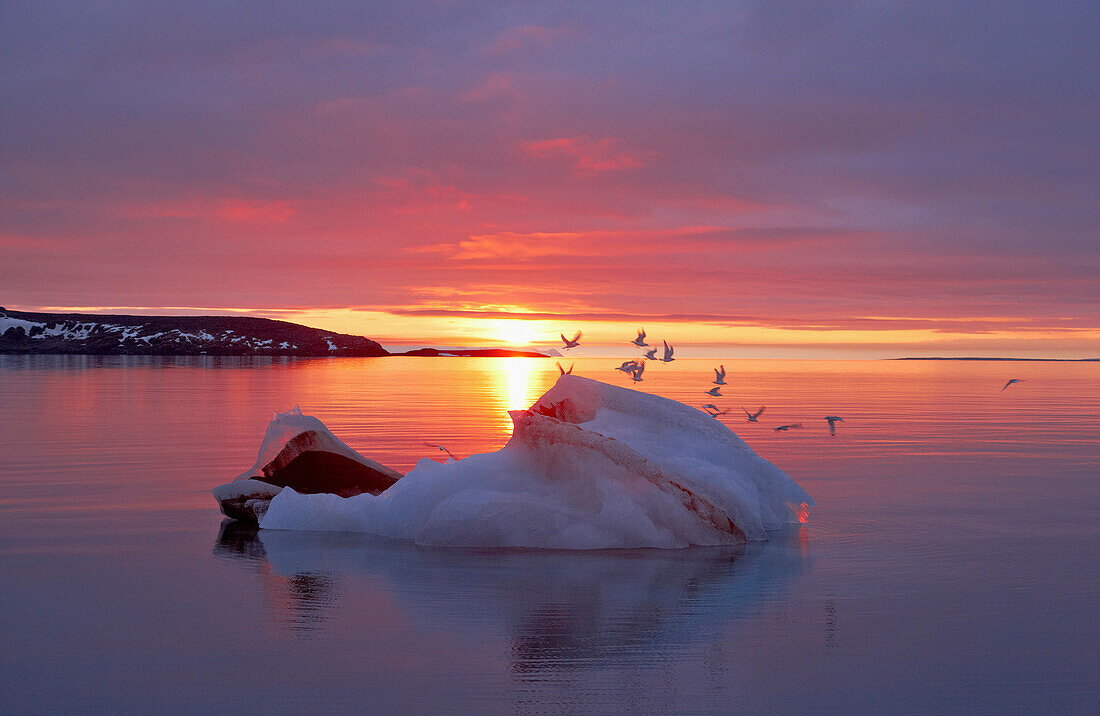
(1061,360)
(23,332)
(473,353)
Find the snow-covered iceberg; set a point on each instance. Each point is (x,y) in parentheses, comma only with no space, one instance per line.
(299,452)
(589,466)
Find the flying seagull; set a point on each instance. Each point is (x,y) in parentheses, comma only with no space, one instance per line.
(833,420)
(637,373)
(640,340)
(1014,380)
(713,411)
(629,366)
(668,353)
(788,427)
(716,391)
(720,375)
(753,417)
(563,371)
(651,354)
(571,343)
(440,447)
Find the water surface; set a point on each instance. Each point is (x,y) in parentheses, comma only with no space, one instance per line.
(949,565)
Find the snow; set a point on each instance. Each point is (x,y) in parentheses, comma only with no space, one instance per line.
(590,466)
(64,329)
(7,322)
(285,426)
(244,488)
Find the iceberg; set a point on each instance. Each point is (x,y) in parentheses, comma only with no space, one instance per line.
(300,453)
(588,466)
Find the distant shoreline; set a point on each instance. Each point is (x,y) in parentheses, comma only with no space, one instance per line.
(1045,360)
(37,333)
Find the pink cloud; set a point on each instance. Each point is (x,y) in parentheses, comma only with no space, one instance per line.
(531,36)
(498,84)
(584,154)
(348,47)
(254,212)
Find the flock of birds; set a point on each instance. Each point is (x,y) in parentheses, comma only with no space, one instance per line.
(636,368)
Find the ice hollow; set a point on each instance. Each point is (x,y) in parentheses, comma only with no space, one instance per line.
(588,466)
(299,452)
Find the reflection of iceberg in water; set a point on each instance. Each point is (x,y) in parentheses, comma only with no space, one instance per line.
(557,611)
(299,601)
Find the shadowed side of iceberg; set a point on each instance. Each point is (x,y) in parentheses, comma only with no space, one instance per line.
(299,452)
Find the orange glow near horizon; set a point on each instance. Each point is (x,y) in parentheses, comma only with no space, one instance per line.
(507,176)
(746,340)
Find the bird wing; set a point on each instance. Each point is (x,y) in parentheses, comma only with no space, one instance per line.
(576,337)
(440,447)
(722,371)
(759,412)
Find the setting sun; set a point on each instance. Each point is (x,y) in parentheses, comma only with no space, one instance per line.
(514,332)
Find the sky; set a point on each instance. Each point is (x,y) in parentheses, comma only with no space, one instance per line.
(795,178)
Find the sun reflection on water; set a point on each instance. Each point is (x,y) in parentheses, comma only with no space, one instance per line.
(518,384)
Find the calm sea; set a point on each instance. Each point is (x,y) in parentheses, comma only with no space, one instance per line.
(950,565)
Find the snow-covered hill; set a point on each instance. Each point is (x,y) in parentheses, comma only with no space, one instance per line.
(23,332)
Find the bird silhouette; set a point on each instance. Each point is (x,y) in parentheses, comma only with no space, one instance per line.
(720,375)
(716,391)
(563,371)
(787,427)
(629,366)
(636,375)
(753,417)
(713,410)
(668,353)
(640,340)
(440,447)
(651,354)
(833,420)
(576,341)
(1014,380)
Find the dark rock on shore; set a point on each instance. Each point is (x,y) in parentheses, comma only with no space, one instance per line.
(94,334)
